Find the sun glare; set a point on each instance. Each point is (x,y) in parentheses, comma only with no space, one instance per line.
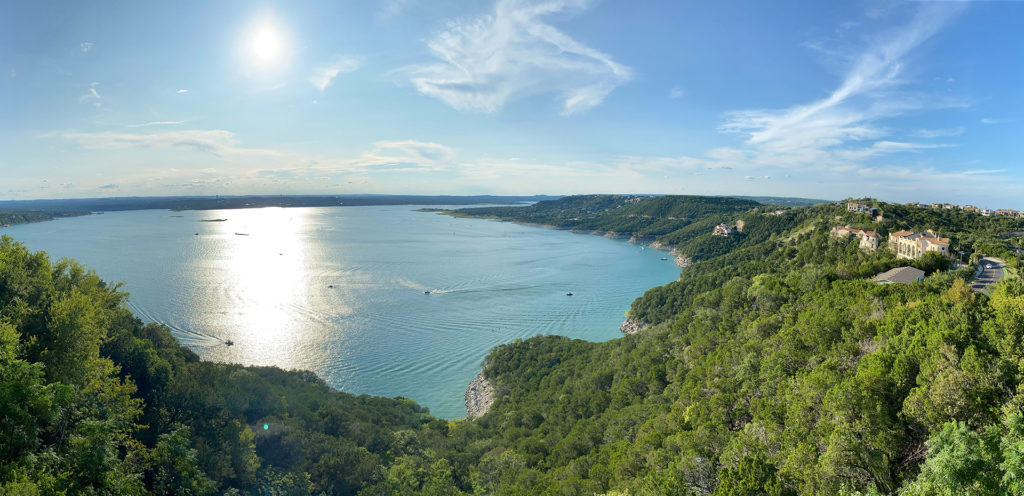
(264,45)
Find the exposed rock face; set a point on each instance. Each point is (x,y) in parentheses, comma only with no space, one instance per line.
(479,396)
(642,240)
(683,261)
(631,326)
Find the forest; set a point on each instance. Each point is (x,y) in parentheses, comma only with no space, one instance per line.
(774,365)
(13,217)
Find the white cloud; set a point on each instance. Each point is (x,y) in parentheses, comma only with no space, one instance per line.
(676,93)
(989,120)
(324,75)
(181,91)
(85,46)
(939,133)
(417,150)
(879,148)
(850,114)
(216,142)
(157,123)
(486,61)
(392,8)
(92,96)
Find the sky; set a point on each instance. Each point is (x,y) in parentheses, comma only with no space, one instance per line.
(902,101)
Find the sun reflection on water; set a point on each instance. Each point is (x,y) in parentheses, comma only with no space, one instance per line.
(262,260)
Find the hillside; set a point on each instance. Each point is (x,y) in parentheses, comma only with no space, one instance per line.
(773,366)
(13,217)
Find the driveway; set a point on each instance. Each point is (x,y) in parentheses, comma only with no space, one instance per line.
(988,276)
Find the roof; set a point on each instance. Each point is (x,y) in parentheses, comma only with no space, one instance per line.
(855,230)
(904,275)
(936,241)
(900,234)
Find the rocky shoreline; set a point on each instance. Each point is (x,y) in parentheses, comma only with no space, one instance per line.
(680,260)
(631,326)
(479,396)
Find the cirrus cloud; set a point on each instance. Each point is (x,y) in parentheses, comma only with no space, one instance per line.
(487,61)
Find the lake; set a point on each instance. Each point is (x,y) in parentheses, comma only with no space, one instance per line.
(342,291)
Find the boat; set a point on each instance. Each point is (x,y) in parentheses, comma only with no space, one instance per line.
(568,294)
(197,234)
(241,234)
(426,292)
(664,258)
(229,342)
(330,286)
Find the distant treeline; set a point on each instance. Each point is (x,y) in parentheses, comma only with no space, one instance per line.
(785,201)
(12,217)
(230,202)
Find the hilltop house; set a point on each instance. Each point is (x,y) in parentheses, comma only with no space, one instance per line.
(902,275)
(723,229)
(911,245)
(868,239)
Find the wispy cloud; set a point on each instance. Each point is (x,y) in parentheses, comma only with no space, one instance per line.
(851,112)
(92,96)
(939,133)
(486,61)
(989,120)
(181,91)
(324,75)
(157,123)
(412,149)
(391,8)
(676,93)
(880,148)
(216,142)
(850,140)
(85,46)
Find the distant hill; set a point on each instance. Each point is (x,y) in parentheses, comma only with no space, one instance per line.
(256,201)
(785,201)
(682,222)
(12,217)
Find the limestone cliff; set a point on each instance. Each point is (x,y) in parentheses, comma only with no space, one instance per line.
(631,326)
(479,396)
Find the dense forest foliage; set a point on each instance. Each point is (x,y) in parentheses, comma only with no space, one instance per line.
(667,219)
(775,366)
(12,217)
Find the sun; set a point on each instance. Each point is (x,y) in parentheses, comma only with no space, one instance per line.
(265,45)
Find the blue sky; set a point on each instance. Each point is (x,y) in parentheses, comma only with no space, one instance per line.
(915,101)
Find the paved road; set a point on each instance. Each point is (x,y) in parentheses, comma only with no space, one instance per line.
(986,276)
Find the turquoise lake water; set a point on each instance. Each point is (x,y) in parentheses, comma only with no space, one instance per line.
(263,278)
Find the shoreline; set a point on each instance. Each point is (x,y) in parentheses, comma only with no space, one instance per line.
(651,242)
(479,397)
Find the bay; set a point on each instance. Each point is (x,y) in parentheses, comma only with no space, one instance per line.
(343,291)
